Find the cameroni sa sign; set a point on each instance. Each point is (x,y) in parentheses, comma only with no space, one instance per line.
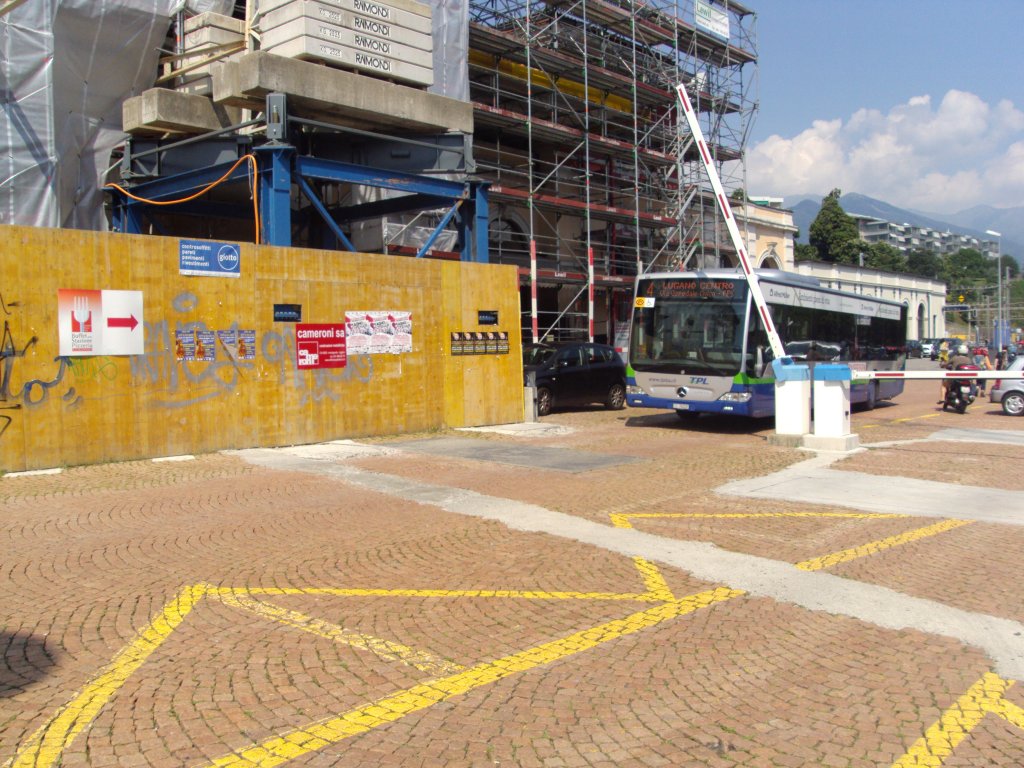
(320,345)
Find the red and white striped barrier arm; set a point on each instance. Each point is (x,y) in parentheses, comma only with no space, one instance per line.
(868,375)
(716,184)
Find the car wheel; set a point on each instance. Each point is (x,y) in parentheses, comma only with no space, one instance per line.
(1013,403)
(543,401)
(616,399)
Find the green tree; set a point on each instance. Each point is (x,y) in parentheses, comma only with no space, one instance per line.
(968,272)
(804,252)
(1007,262)
(883,256)
(925,263)
(833,233)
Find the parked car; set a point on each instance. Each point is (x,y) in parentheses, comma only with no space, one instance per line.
(575,374)
(1009,393)
(914,348)
(928,347)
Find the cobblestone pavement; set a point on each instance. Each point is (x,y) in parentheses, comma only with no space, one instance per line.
(219,612)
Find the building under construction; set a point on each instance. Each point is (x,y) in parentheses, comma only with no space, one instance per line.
(594,175)
(541,134)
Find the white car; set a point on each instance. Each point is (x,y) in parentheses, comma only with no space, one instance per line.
(1009,393)
(927,348)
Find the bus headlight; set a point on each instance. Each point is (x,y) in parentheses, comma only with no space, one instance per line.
(736,397)
(632,389)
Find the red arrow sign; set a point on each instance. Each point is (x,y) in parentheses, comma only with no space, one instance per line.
(122,322)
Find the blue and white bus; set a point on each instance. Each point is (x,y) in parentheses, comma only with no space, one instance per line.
(697,344)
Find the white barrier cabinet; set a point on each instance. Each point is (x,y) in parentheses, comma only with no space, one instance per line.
(792,398)
(832,410)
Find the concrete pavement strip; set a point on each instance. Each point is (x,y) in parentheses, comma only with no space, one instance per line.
(812,482)
(1002,639)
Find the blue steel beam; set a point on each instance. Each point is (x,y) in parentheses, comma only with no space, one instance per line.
(184,184)
(324,213)
(332,170)
(276,161)
(128,213)
(406,204)
(438,229)
(481,223)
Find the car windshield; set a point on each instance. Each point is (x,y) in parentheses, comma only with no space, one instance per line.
(537,355)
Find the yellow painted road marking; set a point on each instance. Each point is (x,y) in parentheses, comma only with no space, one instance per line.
(939,741)
(621,519)
(898,421)
(874,547)
(323,733)
(1010,712)
(44,747)
(657,587)
(384,649)
(502,593)
(915,418)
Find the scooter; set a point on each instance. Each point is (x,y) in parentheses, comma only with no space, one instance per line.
(961,392)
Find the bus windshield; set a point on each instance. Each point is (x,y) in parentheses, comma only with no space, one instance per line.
(695,325)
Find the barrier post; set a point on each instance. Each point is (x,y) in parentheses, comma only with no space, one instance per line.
(792,402)
(832,410)
(530,397)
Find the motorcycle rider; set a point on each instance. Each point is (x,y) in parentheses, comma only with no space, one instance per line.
(962,357)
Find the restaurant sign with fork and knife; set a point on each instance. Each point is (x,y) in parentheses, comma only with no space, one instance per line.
(100,322)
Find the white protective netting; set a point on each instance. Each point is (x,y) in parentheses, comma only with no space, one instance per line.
(67,66)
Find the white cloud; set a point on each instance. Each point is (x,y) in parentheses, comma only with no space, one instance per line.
(944,158)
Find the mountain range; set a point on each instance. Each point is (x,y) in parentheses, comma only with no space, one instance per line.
(1009,222)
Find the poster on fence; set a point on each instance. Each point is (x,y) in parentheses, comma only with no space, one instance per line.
(240,343)
(378,332)
(320,345)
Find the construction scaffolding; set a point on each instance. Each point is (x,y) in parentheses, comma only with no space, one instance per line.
(594,174)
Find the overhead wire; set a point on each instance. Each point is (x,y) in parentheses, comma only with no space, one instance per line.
(253,186)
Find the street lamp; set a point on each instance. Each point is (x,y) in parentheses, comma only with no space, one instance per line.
(997,336)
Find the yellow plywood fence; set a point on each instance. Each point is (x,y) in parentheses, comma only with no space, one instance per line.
(80,383)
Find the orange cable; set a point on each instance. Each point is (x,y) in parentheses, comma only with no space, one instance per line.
(254,168)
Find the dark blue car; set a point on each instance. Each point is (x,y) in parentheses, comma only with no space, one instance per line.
(575,374)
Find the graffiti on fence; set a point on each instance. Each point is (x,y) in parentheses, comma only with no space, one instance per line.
(9,353)
(175,385)
(164,381)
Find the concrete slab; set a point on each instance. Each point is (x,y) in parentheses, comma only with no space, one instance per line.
(998,436)
(562,459)
(337,96)
(812,482)
(159,111)
(522,429)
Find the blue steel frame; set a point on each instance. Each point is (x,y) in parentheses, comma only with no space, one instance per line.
(280,167)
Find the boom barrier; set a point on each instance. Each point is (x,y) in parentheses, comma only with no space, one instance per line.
(869,375)
(774,340)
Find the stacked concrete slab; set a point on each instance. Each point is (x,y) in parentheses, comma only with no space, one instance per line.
(391,40)
(376,84)
(208,37)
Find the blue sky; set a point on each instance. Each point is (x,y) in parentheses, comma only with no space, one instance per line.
(920,104)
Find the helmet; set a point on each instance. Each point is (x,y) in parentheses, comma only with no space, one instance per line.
(962,349)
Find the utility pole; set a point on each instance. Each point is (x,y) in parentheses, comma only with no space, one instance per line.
(997,339)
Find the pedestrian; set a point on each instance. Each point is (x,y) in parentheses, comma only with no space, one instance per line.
(981,359)
(1003,360)
(944,352)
